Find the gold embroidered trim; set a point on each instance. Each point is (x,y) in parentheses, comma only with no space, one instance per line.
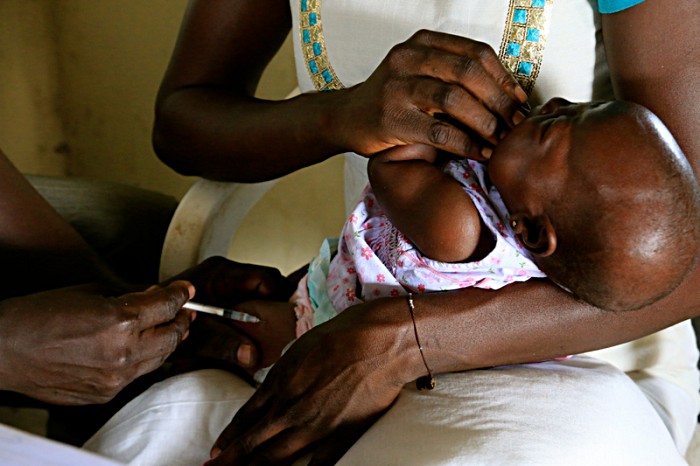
(522,46)
(524,39)
(313,46)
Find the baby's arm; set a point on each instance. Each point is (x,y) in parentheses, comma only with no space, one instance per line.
(426,204)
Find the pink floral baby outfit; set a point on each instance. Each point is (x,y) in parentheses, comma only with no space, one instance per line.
(372,259)
(375,260)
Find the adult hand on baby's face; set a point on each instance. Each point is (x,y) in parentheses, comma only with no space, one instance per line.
(428,77)
(331,385)
(74,346)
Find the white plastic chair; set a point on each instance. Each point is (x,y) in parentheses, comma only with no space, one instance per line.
(210,214)
(205,222)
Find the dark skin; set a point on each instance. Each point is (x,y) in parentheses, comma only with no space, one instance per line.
(80,344)
(218,342)
(639,235)
(72,333)
(428,205)
(211,79)
(562,151)
(208,123)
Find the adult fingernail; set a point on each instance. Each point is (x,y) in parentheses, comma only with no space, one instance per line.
(245,355)
(502,134)
(215,452)
(185,335)
(486,152)
(518,117)
(526,108)
(520,94)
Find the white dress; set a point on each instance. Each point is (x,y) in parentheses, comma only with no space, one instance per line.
(633,404)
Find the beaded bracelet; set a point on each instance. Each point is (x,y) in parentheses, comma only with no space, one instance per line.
(426,382)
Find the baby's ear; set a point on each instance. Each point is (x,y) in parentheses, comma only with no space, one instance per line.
(536,233)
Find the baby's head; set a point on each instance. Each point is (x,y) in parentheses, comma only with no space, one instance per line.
(604,199)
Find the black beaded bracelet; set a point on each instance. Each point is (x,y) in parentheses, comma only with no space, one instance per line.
(426,382)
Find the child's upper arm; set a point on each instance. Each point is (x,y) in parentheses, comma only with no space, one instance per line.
(427,205)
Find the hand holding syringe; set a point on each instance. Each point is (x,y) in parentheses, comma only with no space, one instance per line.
(220,311)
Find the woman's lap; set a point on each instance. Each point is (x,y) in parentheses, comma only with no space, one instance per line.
(579,411)
(175,422)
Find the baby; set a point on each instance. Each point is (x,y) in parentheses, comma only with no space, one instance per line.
(598,197)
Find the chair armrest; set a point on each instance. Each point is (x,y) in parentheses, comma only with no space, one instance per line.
(205,221)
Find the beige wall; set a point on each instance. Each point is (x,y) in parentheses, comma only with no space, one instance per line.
(78,83)
(30,126)
(112,54)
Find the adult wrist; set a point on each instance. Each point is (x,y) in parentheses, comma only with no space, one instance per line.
(8,373)
(426,381)
(334,120)
(383,331)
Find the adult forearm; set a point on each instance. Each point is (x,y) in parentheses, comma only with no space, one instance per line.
(660,67)
(35,269)
(38,249)
(520,323)
(221,135)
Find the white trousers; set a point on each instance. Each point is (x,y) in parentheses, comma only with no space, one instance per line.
(580,411)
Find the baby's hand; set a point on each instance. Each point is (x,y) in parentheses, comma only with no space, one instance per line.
(277,327)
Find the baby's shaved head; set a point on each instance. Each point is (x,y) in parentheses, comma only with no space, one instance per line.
(628,231)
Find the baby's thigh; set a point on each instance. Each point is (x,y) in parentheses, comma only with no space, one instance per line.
(579,411)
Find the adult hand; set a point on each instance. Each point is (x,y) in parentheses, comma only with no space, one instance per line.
(216,341)
(331,385)
(439,89)
(77,345)
(219,342)
(223,282)
(404,153)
